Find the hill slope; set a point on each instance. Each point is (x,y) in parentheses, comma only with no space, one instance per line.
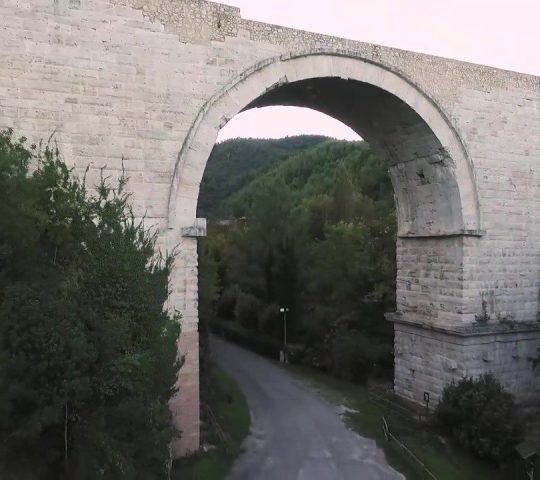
(333,168)
(234,163)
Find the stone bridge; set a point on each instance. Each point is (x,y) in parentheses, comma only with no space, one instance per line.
(153,81)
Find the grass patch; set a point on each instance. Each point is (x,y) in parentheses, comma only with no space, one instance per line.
(229,407)
(445,460)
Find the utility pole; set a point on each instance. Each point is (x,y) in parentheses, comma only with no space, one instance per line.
(284,310)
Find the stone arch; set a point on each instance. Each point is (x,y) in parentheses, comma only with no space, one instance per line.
(432,174)
(435,190)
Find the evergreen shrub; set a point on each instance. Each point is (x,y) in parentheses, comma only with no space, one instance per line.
(481,416)
(247,310)
(227,302)
(353,356)
(88,354)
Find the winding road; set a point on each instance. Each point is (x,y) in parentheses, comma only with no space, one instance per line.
(295,434)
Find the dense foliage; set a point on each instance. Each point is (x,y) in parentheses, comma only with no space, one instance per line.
(234,163)
(88,356)
(314,233)
(481,416)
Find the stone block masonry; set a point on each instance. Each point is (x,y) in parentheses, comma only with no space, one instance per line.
(426,360)
(149,83)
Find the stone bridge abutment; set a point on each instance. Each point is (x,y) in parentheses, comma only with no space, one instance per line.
(153,81)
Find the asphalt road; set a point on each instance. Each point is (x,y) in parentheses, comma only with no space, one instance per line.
(295,434)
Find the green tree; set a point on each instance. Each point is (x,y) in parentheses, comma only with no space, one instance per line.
(317,235)
(88,357)
(343,196)
(233,164)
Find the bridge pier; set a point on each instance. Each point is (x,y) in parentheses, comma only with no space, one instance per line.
(429,358)
(185,405)
(448,325)
(183,298)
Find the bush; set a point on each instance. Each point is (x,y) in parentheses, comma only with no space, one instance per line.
(227,302)
(87,352)
(353,356)
(258,343)
(481,416)
(270,320)
(247,310)
(245,338)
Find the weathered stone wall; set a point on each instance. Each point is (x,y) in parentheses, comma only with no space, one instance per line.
(429,283)
(152,81)
(428,359)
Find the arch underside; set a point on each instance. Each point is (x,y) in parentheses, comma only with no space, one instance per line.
(433,180)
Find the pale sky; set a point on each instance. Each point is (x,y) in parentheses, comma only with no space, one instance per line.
(499,33)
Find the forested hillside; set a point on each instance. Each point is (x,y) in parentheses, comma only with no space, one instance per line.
(234,163)
(315,234)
